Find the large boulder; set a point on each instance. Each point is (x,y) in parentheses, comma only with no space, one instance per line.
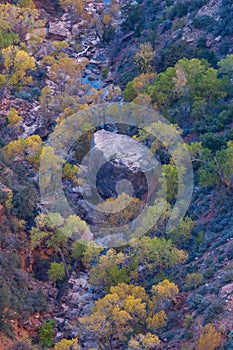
(116,166)
(118,163)
(58,31)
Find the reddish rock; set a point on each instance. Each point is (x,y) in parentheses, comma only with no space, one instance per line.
(226,290)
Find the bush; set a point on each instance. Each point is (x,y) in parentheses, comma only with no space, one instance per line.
(171,13)
(47,333)
(166,26)
(193,280)
(201,44)
(197,4)
(204,22)
(199,303)
(56,271)
(230,251)
(213,311)
(182,9)
(8,39)
(24,95)
(209,272)
(35,92)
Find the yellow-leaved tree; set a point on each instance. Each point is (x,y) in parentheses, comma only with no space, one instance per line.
(16,64)
(128,311)
(146,341)
(76,6)
(66,344)
(209,338)
(13,117)
(28,150)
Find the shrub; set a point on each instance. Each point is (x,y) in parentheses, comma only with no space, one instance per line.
(47,333)
(204,22)
(230,251)
(35,92)
(171,13)
(166,26)
(56,271)
(209,338)
(182,9)
(197,4)
(24,95)
(199,303)
(8,39)
(209,272)
(213,311)
(193,280)
(201,44)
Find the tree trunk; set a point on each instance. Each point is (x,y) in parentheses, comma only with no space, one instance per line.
(65,281)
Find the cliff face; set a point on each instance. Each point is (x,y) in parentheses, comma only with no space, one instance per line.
(106,53)
(175,29)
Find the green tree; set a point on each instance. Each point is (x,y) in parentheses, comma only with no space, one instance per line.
(224,164)
(46,332)
(56,272)
(109,272)
(226,66)
(155,254)
(190,88)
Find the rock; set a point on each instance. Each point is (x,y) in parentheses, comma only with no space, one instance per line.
(75,297)
(59,320)
(116,157)
(97,63)
(87,71)
(82,60)
(226,290)
(58,337)
(189,40)
(94,42)
(58,31)
(65,17)
(42,131)
(77,27)
(110,78)
(89,53)
(81,282)
(218,39)
(91,77)
(208,43)
(43,51)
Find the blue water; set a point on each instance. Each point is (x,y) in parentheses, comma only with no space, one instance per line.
(97,84)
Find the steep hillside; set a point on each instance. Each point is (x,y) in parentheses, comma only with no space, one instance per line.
(155,288)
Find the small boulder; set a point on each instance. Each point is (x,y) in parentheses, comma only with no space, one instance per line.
(226,290)
(57,31)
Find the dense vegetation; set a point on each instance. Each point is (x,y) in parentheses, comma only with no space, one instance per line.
(164,289)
